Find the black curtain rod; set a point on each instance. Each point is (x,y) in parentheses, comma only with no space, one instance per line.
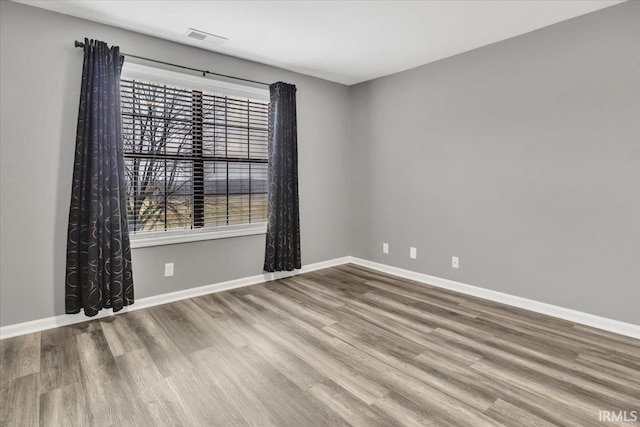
(204,72)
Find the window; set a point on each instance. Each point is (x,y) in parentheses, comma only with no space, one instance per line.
(195,153)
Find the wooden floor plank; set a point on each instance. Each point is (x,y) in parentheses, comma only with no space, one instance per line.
(19,356)
(19,401)
(505,412)
(59,359)
(65,406)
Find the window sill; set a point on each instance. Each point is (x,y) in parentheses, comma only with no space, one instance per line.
(172,238)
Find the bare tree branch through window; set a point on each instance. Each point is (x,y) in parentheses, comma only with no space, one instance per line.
(193,159)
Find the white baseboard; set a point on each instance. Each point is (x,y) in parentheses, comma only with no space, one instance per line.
(69,319)
(582,318)
(579,317)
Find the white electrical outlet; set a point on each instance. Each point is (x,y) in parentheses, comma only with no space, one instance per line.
(385,248)
(413,253)
(455,262)
(168,269)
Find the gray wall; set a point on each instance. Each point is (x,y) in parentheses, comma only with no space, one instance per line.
(522,158)
(40,84)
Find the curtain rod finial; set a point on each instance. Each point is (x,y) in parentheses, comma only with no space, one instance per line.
(78,44)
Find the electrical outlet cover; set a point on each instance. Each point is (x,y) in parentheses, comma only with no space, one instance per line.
(168,269)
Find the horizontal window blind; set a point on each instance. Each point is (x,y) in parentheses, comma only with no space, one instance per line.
(193,159)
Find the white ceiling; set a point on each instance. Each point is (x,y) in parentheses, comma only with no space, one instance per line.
(343,41)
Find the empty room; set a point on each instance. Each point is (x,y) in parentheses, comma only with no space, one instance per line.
(320,213)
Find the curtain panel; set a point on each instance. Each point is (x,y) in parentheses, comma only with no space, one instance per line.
(98,270)
(283,223)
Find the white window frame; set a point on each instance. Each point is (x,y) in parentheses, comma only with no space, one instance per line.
(157,75)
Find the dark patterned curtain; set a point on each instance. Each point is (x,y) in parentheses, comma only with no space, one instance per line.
(98,252)
(283,227)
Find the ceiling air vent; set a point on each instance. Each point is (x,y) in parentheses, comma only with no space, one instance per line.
(206,37)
